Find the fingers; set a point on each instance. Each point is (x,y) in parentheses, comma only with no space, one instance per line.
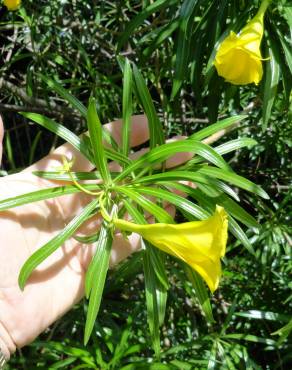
(139,130)
(1,137)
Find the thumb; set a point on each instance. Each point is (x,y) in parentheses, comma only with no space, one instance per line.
(1,137)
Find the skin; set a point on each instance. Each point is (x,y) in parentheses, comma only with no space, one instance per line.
(58,283)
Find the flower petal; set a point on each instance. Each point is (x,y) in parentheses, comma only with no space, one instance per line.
(200,244)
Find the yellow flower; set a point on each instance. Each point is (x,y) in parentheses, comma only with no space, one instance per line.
(238,58)
(12,4)
(200,244)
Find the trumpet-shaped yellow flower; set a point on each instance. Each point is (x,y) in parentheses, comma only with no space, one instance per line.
(12,4)
(200,244)
(238,58)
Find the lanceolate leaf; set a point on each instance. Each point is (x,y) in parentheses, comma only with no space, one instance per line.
(234,179)
(238,212)
(89,239)
(139,19)
(91,270)
(201,293)
(43,194)
(57,175)
(237,231)
(183,44)
(154,253)
(155,283)
(156,133)
(215,127)
(66,95)
(155,301)
(175,199)
(162,34)
(157,155)
(202,174)
(228,147)
(95,131)
(236,144)
(127,106)
(45,251)
(61,131)
(160,214)
(272,76)
(96,279)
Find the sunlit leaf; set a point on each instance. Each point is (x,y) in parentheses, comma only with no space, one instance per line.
(45,251)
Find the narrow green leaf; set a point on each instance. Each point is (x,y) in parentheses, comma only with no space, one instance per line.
(234,179)
(155,283)
(283,332)
(59,130)
(33,147)
(228,147)
(237,231)
(45,251)
(154,254)
(156,133)
(201,293)
(100,249)
(201,176)
(236,144)
(98,272)
(57,175)
(79,176)
(186,18)
(110,153)
(175,199)
(162,34)
(127,106)
(160,214)
(238,212)
(63,363)
(153,290)
(272,76)
(139,19)
(88,239)
(264,315)
(43,194)
(157,262)
(215,127)
(65,95)
(95,132)
(250,338)
(158,155)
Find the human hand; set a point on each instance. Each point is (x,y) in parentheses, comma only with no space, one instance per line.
(59,282)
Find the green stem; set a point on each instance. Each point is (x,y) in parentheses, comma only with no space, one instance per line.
(263,8)
(79,186)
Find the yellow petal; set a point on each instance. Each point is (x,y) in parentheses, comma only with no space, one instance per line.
(200,244)
(12,4)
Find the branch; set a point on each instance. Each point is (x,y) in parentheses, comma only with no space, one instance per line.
(36,105)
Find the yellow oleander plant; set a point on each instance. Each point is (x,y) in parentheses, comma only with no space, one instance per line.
(238,59)
(139,190)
